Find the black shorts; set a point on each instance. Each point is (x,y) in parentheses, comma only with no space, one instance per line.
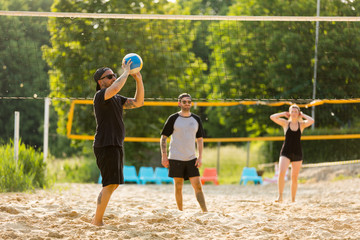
(109,159)
(183,169)
(292,157)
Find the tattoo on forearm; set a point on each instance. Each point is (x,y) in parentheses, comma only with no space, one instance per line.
(99,198)
(130,103)
(163,145)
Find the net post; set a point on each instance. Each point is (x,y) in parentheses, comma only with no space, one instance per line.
(46,128)
(16,136)
(218,158)
(315,61)
(248,154)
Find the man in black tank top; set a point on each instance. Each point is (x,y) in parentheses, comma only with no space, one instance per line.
(291,151)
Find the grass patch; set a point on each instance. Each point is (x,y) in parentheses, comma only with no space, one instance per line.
(74,170)
(302,180)
(232,161)
(341,177)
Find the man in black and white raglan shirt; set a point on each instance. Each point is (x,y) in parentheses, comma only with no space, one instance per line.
(185,128)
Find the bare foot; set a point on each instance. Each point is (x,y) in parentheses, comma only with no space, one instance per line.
(99,224)
(279,200)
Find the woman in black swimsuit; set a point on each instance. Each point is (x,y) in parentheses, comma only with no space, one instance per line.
(291,151)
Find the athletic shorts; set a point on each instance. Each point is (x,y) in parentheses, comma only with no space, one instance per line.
(292,156)
(109,159)
(183,169)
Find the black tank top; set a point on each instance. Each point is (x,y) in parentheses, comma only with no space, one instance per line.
(292,145)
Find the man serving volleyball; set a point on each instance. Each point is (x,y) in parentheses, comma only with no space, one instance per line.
(110,129)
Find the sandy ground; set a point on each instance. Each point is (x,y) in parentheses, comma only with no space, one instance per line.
(324,210)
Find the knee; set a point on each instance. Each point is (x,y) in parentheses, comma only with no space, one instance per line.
(198,188)
(112,187)
(282,173)
(178,186)
(294,177)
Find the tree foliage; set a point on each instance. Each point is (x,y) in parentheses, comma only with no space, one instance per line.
(209,59)
(274,60)
(91,43)
(22,68)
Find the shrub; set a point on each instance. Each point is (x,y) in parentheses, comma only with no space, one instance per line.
(75,169)
(29,172)
(85,171)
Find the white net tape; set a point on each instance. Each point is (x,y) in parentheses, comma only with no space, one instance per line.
(181,17)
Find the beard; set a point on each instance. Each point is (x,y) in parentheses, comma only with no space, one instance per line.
(185,109)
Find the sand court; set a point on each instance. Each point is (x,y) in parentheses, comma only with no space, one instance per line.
(324,210)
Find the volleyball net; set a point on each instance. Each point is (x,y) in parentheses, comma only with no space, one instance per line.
(213,57)
(238,69)
(71,120)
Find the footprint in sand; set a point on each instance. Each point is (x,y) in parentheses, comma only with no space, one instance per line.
(10,210)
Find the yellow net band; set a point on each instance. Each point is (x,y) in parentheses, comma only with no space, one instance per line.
(208,104)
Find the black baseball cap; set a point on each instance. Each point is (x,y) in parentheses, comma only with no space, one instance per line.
(97,75)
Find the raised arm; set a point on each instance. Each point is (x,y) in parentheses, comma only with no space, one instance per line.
(163,148)
(200,147)
(307,122)
(138,100)
(118,83)
(278,118)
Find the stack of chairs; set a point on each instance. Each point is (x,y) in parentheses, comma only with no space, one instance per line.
(250,174)
(146,174)
(161,175)
(130,174)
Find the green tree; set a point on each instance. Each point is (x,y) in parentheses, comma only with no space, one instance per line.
(23,71)
(274,60)
(339,69)
(79,46)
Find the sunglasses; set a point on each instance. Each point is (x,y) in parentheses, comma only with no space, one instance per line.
(183,102)
(109,76)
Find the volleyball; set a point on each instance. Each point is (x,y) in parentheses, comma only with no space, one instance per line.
(136,64)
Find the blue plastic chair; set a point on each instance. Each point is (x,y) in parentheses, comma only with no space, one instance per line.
(130,174)
(100,179)
(250,174)
(146,174)
(162,175)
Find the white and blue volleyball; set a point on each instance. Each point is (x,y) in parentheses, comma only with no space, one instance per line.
(136,64)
